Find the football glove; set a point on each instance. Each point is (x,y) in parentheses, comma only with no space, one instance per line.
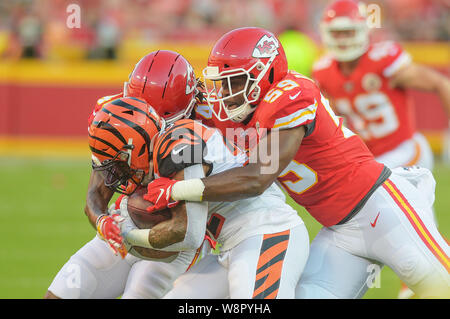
(159,193)
(108,229)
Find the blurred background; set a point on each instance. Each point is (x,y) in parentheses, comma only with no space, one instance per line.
(57,57)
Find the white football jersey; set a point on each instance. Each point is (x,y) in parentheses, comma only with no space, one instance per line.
(228,222)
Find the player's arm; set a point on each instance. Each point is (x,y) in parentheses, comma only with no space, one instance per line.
(237,183)
(420,77)
(184,231)
(250,180)
(98,197)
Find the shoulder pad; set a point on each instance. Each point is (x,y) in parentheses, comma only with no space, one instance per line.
(181,145)
(295,104)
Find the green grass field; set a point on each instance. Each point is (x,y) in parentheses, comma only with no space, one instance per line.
(43,223)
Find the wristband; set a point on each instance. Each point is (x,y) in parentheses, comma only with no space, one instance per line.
(98,224)
(190,190)
(98,218)
(138,237)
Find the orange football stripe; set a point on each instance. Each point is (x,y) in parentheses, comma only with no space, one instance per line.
(269,254)
(417,155)
(286,232)
(272,295)
(194,260)
(417,224)
(266,271)
(272,274)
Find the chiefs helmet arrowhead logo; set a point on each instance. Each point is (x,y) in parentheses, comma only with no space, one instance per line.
(190,80)
(266,47)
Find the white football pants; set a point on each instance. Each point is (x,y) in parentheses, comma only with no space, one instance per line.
(261,266)
(394,228)
(414,152)
(95,272)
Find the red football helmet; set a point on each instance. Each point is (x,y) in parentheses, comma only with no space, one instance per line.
(252,52)
(166,81)
(120,138)
(345,15)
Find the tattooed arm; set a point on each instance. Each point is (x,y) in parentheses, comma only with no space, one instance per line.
(184,231)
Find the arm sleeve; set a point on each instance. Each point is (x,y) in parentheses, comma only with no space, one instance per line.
(197,214)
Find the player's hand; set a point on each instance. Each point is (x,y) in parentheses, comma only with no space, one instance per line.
(159,193)
(126,224)
(108,229)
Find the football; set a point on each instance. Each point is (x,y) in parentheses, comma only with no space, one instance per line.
(136,207)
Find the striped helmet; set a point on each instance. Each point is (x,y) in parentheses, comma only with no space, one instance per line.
(120,139)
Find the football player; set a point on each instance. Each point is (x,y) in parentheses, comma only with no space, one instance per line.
(146,279)
(120,137)
(120,142)
(166,81)
(370,213)
(264,243)
(162,78)
(173,89)
(367,83)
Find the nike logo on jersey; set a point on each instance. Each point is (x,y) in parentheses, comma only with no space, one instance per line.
(176,151)
(160,194)
(293,97)
(375,221)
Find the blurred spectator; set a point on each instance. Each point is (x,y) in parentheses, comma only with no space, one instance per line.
(29,34)
(107,22)
(37,28)
(422,20)
(25,30)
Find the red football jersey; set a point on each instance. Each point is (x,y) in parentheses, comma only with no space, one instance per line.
(333,169)
(381,114)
